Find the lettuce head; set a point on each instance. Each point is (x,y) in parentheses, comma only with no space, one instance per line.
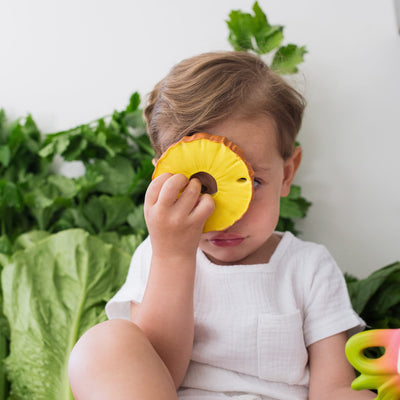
(55,288)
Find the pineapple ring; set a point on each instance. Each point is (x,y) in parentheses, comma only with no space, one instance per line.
(222,169)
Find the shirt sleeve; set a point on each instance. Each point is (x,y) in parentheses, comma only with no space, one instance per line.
(135,284)
(328,309)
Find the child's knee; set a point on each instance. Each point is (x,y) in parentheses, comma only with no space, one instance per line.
(102,349)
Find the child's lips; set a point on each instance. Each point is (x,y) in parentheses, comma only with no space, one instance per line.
(226,240)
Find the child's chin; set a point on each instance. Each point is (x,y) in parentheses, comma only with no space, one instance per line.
(224,257)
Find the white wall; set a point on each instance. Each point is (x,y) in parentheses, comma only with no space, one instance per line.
(69,62)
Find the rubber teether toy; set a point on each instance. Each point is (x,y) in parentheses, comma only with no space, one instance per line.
(222,169)
(383,373)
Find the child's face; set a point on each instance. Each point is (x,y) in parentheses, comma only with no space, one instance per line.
(250,240)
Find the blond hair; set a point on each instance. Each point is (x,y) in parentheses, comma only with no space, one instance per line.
(204,90)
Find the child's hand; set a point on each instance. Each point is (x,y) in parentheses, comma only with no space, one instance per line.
(175,222)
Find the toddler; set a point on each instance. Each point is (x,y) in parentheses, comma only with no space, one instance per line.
(246,313)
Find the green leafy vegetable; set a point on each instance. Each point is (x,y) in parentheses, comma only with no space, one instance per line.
(377,298)
(44,275)
(54,290)
(254,33)
(287,58)
(293,207)
(19,160)
(117,157)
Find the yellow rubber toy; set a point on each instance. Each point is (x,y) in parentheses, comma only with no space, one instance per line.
(221,167)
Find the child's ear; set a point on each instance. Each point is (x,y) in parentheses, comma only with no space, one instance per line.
(154,161)
(289,170)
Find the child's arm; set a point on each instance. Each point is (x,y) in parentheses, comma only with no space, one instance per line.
(175,225)
(330,372)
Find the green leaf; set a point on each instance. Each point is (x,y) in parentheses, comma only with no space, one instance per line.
(65,186)
(134,103)
(240,30)
(5,245)
(73,218)
(47,197)
(287,58)
(20,142)
(27,240)
(53,292)
(267,37)
(136,220)
(260,20)
(107,213)
(146,151)
(365,293)
(126,243)
(3,378)
(270,40)
(141,180)
(5,155)
(117,209)
(286,224)
(56,144)
(74,147)
(117,175)
(10,195)
(385,298)
(294,206)
(253,32)
(23,133)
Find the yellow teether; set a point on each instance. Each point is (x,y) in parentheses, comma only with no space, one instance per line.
(221,167)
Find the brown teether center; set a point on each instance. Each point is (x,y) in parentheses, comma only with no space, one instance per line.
(208,182)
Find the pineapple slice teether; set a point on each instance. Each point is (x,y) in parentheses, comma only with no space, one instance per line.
(222,169)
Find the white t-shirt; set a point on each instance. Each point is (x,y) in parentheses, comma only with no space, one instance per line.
(253,323)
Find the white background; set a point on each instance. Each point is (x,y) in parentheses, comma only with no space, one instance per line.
(69,62)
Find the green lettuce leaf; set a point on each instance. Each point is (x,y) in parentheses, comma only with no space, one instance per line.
(54,290)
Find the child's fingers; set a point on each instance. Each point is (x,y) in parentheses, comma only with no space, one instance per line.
(153,191)
(204,207)
(190,196)
(193,203)
(171,189)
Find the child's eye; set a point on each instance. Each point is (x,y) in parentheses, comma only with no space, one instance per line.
(257,182)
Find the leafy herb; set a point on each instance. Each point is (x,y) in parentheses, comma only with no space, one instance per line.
(19,160)
(254,33)
(116,154)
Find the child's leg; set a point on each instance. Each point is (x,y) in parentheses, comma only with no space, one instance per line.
(115,360)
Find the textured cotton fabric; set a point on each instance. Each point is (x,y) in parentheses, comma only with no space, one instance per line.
(253,323)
